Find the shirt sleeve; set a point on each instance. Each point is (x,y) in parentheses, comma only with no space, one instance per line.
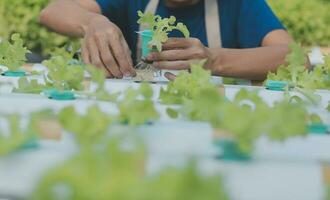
(256,20)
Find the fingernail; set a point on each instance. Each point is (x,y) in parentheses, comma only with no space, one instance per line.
(127,74)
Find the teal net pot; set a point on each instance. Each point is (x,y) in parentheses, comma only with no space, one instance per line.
(230,151)
(59,95)
(14,73)
(146,38)
(318,128)
(277,85)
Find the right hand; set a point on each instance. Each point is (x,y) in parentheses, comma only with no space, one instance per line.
(104,46)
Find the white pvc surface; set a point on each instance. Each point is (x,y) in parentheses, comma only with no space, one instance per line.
(280,171)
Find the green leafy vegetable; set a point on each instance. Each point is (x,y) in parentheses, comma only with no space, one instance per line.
(12,54)
(116,172)
(16,137)
(87,128)
(30,86)
(137,106)
(298,75)
(161,27)
(247,118)
(187,85)
(64,76)
(98,78)
(14,134)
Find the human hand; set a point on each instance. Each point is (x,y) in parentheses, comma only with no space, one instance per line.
(178,53)
(105,47)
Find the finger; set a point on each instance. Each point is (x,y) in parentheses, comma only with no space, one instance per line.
(85,54)
(121,56)
(129,57)
(95,57)
(177,43)
(94,54)
(170,76)
(172,65)
(107,57)
(171,55)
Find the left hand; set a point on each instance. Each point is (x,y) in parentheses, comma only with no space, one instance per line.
(178,53)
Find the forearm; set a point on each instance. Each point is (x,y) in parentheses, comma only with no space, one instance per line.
(253,64)
(68,17)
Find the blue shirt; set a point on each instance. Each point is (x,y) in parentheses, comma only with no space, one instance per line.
(244,23)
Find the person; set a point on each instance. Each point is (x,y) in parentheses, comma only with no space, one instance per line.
(239,38)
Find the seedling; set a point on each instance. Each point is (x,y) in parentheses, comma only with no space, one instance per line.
(65,79)
(156,33)
(296,74)
(187,85)
(137,106)
(87,128)
(13,56)
(159,28)
(201,101)
(118,164)
(15,135)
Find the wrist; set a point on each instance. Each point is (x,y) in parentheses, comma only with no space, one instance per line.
(91,20)
(216,61)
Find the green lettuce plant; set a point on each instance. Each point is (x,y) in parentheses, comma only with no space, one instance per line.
(161,27)
(114,170)
(13,53)
(187,85)
(137,106)
(245,119)
(15,135)
(296,73)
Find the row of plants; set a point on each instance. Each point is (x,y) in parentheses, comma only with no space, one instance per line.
(192,91)
(307,21)
(103,160)
(295,74)
(109,164)
(191,96)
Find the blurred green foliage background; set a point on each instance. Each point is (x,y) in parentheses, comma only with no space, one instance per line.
(21,16)
(308,21)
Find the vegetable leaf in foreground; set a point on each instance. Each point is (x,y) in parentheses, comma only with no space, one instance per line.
(137,106)
(120,173)
(87,128)
(30,86)
(16,134)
